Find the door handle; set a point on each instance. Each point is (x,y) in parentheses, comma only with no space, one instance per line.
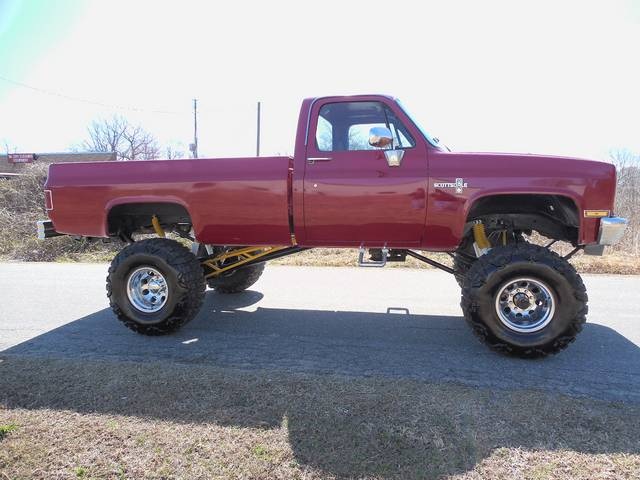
(312,160)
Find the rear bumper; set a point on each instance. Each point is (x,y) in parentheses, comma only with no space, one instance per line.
(46,230)
(611,230)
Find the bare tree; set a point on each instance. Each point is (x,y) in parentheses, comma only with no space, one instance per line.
(117,135)
(628,197)
(140,145)
(172,152)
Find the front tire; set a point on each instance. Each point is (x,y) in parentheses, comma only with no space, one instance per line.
(463,259)
(465,256)
(155,286)
(524,300)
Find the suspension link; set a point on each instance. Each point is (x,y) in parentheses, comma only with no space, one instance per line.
(242,255)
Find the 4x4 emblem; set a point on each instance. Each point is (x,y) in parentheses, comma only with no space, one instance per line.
(459,185)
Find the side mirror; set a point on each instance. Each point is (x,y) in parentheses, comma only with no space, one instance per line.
(380,137)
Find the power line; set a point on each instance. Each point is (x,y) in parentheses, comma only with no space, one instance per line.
(90,102)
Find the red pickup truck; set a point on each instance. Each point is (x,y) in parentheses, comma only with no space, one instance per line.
(364,175)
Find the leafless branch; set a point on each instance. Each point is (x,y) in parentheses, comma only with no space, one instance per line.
(117,135)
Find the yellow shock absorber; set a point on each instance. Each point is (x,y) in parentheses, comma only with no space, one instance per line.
(480,236)
(157,227)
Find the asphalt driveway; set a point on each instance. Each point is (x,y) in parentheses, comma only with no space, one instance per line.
(356,322)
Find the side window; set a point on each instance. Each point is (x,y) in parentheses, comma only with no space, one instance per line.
(345,126)
(324,135)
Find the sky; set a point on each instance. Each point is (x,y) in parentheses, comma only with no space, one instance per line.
(549,77)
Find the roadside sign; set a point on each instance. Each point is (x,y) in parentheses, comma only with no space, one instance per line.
(21,157)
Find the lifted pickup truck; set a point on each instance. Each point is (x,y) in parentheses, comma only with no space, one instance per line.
(364,175)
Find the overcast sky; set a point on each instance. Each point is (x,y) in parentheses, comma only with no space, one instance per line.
(556,76)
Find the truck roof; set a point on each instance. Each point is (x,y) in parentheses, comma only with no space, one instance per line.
(351,97)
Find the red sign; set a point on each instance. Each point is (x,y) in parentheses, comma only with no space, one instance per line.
(21,157)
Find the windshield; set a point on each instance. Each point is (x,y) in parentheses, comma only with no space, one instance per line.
(435,141)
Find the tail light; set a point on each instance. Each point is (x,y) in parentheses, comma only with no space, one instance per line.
(48,200)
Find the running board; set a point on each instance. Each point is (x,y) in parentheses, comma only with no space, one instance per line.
(385,257)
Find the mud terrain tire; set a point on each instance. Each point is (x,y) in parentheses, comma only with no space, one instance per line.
(486,288)
(174,271)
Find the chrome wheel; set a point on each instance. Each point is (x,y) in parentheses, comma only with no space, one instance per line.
(525,305)
(147,289)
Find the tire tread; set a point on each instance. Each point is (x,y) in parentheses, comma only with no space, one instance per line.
(190,279)
(501,257)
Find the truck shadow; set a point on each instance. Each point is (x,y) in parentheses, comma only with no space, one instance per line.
(231,332)
(400,405)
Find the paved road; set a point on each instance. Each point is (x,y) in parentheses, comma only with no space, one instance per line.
(356,322)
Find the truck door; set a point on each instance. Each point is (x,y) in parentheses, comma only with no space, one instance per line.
(352,195)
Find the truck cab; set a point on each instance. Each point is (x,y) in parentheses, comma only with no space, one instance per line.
(356,193)
(412,192)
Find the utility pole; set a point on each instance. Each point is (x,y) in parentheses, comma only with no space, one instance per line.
(194,148)
(258,133)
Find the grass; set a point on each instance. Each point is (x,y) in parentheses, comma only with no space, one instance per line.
(614,263)
(88,419)
(80,472)
(6,429)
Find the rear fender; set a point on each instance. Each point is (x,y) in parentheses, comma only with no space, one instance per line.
(141,200)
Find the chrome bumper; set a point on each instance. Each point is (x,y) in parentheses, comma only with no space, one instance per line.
(46,230)
(611,230)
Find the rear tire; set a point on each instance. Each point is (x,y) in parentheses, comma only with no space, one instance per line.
(524,300)
(238,280)
(155,286)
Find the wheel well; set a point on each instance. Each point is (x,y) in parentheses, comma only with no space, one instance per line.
(128,218)
(554,216)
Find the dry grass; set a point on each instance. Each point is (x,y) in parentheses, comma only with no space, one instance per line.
(616,263)
(119,420)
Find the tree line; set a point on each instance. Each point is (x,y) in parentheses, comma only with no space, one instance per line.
(126,140)
(628,197)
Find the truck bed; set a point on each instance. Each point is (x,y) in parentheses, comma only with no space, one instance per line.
(231,201)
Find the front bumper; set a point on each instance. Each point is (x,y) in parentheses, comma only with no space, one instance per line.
(611,230)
